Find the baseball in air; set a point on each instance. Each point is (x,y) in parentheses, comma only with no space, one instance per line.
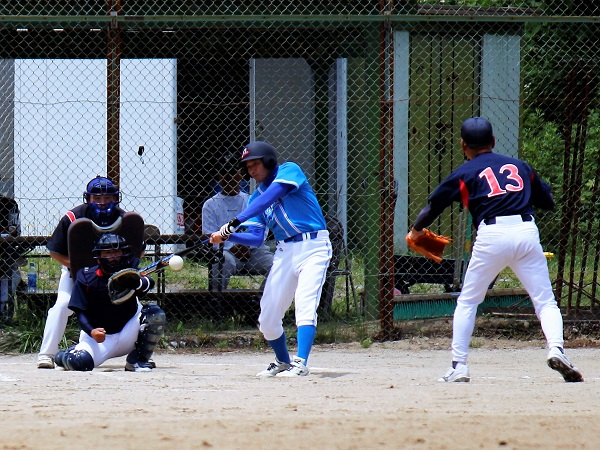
(176,262)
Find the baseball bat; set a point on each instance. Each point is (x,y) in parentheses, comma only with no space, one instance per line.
(163,263)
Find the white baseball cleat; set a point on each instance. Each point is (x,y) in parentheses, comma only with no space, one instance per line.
(273,369)
(297,368)
(559,362)
(460,374)
(45,362)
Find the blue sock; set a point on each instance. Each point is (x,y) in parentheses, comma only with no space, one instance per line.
(306,337)
(279,346)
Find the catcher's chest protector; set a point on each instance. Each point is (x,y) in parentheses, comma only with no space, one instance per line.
(83,235)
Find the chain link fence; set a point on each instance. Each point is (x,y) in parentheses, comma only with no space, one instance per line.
(366,96)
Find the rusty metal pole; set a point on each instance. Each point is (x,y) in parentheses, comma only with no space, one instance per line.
(113,92)
(386,180)
(566,212)
(582,139)
(575,187)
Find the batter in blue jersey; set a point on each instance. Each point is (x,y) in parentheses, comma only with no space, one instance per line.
(500,193)
(293,213)
(285,203)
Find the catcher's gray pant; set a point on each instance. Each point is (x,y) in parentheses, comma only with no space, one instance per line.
(115,345)
(297,275)
(508,243)
(58,315)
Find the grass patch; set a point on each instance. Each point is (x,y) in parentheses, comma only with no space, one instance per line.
(25,334)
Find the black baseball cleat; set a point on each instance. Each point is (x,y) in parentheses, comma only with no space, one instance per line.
(140,366)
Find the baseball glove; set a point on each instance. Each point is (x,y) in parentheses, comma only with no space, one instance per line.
(122,285)
(429,244)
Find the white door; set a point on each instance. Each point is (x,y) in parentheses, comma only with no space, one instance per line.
(60,137)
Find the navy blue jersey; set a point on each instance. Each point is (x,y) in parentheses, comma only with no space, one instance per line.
(90,298)
(492,185)
(58,241)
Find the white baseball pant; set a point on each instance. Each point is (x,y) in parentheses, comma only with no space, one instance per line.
(58,315)
(297,274)
(115,345)
(508,243)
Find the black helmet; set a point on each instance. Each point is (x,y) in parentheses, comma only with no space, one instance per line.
(259,150)
(111,241)
(105,215)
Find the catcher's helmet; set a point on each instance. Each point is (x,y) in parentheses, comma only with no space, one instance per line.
(259,150)
(111,241)
(102,214)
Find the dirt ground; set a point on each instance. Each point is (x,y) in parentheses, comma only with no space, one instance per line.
(384,396)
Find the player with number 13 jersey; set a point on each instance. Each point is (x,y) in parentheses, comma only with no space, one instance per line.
(493,185)
(500,192)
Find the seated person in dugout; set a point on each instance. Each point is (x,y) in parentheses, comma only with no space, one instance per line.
(216,211)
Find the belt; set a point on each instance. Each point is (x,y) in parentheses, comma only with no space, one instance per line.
(302,237)
(524,217)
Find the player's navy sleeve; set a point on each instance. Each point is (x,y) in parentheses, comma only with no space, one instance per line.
(58,241)
(84,322)
(146,283)
(78,300)
(274,192)
(426,217)
(489,185)
(79,304)
(90,298)
(442,197)
(541,193)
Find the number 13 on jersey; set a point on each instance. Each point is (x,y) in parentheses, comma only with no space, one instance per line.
(512,176)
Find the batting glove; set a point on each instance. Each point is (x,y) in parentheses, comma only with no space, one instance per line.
(227,229)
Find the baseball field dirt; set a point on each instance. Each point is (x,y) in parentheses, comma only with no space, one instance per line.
(384,396)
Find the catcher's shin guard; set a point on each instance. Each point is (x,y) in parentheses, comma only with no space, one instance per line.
(72,359)
(153,323)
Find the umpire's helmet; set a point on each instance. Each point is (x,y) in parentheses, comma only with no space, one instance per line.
(100,186)
(259,150)
(111,241)
(104,214)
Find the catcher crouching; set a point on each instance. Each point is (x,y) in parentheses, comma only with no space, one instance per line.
(112,327)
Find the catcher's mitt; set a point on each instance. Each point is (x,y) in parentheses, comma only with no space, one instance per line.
(429,244)
(122,285)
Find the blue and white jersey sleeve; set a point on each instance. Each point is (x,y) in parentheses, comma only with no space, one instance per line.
(296,212)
